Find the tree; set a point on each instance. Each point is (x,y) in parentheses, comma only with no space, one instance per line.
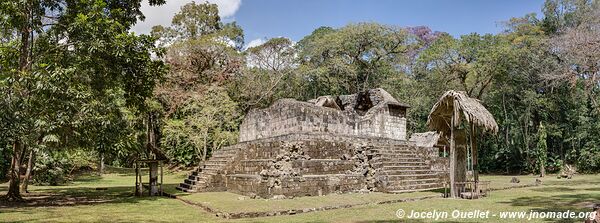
(562,14)
(269,70)
(69,53)
(470,63)
(204,57)
(353,58)
(196,21)
(577,51)
(542,148)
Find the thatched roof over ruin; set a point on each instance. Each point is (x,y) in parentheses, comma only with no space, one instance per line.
(464,108)
(425,139)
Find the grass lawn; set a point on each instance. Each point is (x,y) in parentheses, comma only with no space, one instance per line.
(81,202)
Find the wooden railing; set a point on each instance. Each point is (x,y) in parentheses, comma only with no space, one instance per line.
(472,189)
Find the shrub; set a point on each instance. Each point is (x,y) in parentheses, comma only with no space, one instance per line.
(589,160)
(57,167)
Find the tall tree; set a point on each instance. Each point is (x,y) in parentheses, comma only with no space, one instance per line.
(69,53)
(204,57)
(354,57)
(270,69)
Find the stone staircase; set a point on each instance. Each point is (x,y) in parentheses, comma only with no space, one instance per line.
(203,178)
(405,171)
(332,166)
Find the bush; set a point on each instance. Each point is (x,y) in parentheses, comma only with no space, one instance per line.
(554,164)
(57,167)
(177,145)
(5,153)
(589,160)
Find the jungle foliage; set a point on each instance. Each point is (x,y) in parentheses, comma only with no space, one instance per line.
(79,89)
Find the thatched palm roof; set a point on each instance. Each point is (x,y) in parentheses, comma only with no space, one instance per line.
(457,103)
(425,139)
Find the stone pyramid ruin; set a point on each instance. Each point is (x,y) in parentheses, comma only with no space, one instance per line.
(332,144)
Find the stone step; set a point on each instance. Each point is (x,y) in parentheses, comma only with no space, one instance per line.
(200,175)
(407,167)
(186,185)
(225,152)
(394,152)
(407,182)
(185,189)
(401,160)
(219,161)
(395,146)
(402,177)
(205,177)
(222,156)
(399,155)
(193,177)
(190,182)
(405,172)
(214,164)
(403,163)
(193,182)
(210,170)
(412,190)
(239,175)
(402,157)
(197,180)
(425,186)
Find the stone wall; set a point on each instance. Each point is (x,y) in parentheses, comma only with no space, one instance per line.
(318,164)
(331,144)
(288,116)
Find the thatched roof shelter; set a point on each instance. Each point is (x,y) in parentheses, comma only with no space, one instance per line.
(447,114)
(455,103)
(425,139)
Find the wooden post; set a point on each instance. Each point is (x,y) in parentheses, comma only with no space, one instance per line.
(161,177)
(138,179)
(471,132)
(452,157)
(153,180)
(474,148)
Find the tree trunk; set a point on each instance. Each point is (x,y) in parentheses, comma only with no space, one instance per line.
(28,172)
(24,61)
(507,125)
(101,163)
(542,169)
(13,183)
(205,147)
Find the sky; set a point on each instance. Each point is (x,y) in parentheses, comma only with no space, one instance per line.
(263,19)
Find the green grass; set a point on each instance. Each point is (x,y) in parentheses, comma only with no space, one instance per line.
(230,202)
(81,202)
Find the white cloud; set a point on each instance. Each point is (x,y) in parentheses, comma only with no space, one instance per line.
(162,15)
(255,42)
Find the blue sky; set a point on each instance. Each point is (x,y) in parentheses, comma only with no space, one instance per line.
(263,19)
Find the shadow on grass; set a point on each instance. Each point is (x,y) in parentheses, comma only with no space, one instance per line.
(121,170)
(403,220)
(572,182)
(171,189)
(54,197)
(577,202)
(553,189)
(439,190)
(88,178)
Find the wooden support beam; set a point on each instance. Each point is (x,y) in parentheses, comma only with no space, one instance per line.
(474,148)
(452,159)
